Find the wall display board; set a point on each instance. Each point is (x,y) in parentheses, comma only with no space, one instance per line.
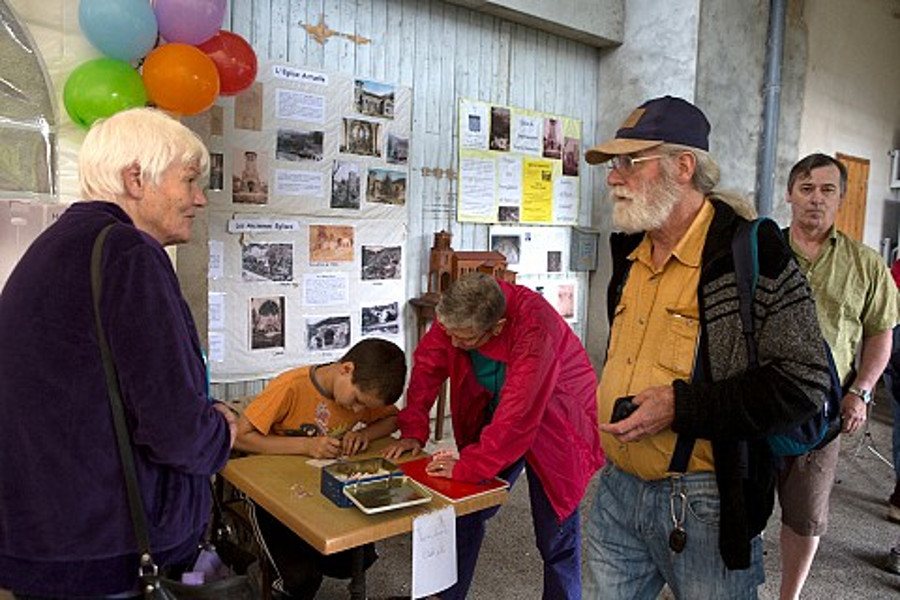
(517,165)
(307,221)
(540,257)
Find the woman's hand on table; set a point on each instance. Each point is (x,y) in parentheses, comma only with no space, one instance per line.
(396,449)
(441,465)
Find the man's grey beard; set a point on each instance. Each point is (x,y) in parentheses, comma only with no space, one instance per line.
(650,206)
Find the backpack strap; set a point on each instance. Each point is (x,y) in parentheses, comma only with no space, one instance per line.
(745,250)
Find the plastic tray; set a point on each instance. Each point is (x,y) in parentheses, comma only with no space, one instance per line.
(382,495)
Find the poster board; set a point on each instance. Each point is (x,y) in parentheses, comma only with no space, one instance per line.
(307,221)
(517,165)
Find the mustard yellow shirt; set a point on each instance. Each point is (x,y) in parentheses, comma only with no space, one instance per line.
(653,341)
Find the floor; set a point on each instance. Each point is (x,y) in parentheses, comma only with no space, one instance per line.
(847,567)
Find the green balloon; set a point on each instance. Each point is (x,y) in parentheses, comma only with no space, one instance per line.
(100,88)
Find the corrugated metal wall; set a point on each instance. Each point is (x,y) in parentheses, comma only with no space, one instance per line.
(444,52)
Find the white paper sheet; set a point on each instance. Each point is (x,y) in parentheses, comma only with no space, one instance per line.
(216,346)
(300,106)
(216,311)
(216,259)
(476,196)
(434,552)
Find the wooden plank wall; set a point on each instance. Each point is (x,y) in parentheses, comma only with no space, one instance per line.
(443,52)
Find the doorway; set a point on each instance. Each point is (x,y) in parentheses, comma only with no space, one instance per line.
(851,218)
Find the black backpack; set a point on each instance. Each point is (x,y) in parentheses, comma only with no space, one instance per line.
(824,426)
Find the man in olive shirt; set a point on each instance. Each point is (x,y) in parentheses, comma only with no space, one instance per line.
(856,302)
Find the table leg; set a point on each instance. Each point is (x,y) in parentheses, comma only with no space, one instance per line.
(358,578)
(441,413)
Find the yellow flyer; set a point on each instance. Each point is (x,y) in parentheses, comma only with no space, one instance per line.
(537,191)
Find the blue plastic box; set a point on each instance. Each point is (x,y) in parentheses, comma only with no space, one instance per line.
(336,476)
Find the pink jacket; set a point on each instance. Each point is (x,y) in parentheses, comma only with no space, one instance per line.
(547,410)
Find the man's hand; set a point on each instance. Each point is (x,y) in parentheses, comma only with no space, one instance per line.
(853,413)
(322,446)
(395,450)
(655,412)
(354,442)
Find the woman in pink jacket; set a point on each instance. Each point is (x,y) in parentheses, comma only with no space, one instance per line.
(522,395)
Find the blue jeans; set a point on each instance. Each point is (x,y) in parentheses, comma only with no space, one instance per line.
(892,383)
(627,541)
(558,543)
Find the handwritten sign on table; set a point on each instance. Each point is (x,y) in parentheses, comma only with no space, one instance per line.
(434,552)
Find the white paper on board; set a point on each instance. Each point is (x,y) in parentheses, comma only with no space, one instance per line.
(216,311)
(216,346)
(434,552)
(216,259)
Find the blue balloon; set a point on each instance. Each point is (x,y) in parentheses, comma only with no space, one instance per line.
(121,29)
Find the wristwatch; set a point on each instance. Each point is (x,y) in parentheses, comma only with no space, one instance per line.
(864,395)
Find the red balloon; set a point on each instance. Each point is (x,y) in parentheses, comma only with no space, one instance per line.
(235,60)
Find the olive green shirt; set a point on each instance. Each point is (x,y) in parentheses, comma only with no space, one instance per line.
(855,295)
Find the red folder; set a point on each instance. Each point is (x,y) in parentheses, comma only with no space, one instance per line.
(450,489)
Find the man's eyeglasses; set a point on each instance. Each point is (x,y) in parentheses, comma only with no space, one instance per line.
(624,163)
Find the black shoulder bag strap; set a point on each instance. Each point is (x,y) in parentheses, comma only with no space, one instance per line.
(148,571)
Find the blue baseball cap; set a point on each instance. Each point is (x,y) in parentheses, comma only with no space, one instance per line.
(666,120)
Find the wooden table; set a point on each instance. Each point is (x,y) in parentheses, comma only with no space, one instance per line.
(424,306)
(288,488)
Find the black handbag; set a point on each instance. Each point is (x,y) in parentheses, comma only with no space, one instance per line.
(154,584)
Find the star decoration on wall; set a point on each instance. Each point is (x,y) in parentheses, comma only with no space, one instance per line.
(321,33)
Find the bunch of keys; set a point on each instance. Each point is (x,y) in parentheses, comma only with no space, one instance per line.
(678,537)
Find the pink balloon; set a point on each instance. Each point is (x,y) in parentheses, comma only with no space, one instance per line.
(189,21)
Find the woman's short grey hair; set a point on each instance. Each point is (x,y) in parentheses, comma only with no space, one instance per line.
(145,137)
(706,171)
(474,301)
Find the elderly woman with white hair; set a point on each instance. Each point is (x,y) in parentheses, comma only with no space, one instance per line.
(65,526)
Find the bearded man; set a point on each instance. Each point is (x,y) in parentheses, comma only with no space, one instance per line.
(689,479)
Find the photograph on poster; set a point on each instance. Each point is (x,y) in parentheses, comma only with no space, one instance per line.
(216,171)
(381,262)
(552,138)
(216,120)
(554,261)
(571,154)
(507,245)
(249,184)
(373,98)
(267,262)
(508,214)
(248,108)
(385,186)
(299,145)
(345,185)
(330,243)
(499,139)
(267,320)
(361,137)
(330,333)
(382,318)
(397,149)
(564,300)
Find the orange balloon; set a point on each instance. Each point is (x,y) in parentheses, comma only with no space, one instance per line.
(180,78)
